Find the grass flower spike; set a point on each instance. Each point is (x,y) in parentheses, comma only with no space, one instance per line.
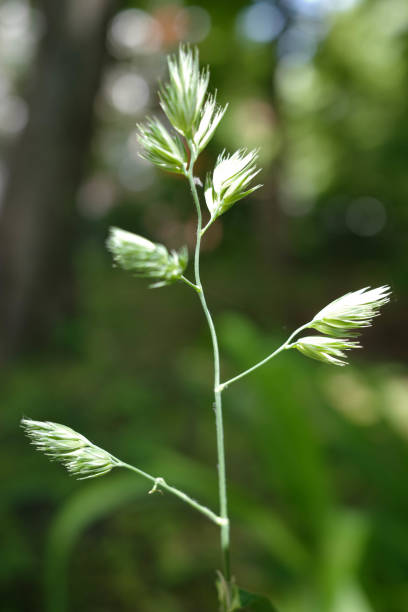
(145,258)
(76,453)
(351,311)
(161,148)
(182,99)
(230,181)
(328,350)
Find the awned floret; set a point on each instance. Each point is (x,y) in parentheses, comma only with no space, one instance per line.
(344,316)
(162,148)
(230,180)
(75,452)
(146,259)
(182,98)
(328,350)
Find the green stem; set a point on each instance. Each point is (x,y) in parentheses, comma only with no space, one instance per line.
(209,224)
(190,284)
(160,483)
(222,483)
(284,346)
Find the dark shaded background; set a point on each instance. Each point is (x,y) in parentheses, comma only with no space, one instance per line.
(317,455)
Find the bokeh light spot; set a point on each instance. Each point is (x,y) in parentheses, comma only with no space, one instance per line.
(3,181)
(134,31)
(300,40)
(13,115)
(15,15)
(366,216)
(135,175)
(97,196)
(312,7)
(193,24)
(127,91)
(261,22)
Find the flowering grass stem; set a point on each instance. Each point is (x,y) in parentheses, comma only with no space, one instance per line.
(194,116)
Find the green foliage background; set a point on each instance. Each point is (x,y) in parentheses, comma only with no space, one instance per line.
(317,456)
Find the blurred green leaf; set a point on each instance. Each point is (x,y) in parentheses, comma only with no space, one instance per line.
(95,501)
(233,598)
(343,545)
(254,603)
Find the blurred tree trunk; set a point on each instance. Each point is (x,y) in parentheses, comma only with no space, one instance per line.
(37,225)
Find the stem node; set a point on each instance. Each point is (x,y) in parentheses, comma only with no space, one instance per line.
(157,483)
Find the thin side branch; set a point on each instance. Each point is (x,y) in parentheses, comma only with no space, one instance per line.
(160,483)
(286,345)
(190,284)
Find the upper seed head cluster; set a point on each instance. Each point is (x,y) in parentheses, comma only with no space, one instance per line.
(194,116)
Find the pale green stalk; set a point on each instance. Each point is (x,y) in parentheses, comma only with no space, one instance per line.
(283,347)
(222,483)
(209,224)
(160,483)
(190,284)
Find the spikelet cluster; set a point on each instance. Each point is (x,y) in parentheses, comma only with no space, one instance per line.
(145,258)
(342,318)
(192,112)
(183,96)
(161,148)
(346,315)
(230,180)
(328,350)
(76,453)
